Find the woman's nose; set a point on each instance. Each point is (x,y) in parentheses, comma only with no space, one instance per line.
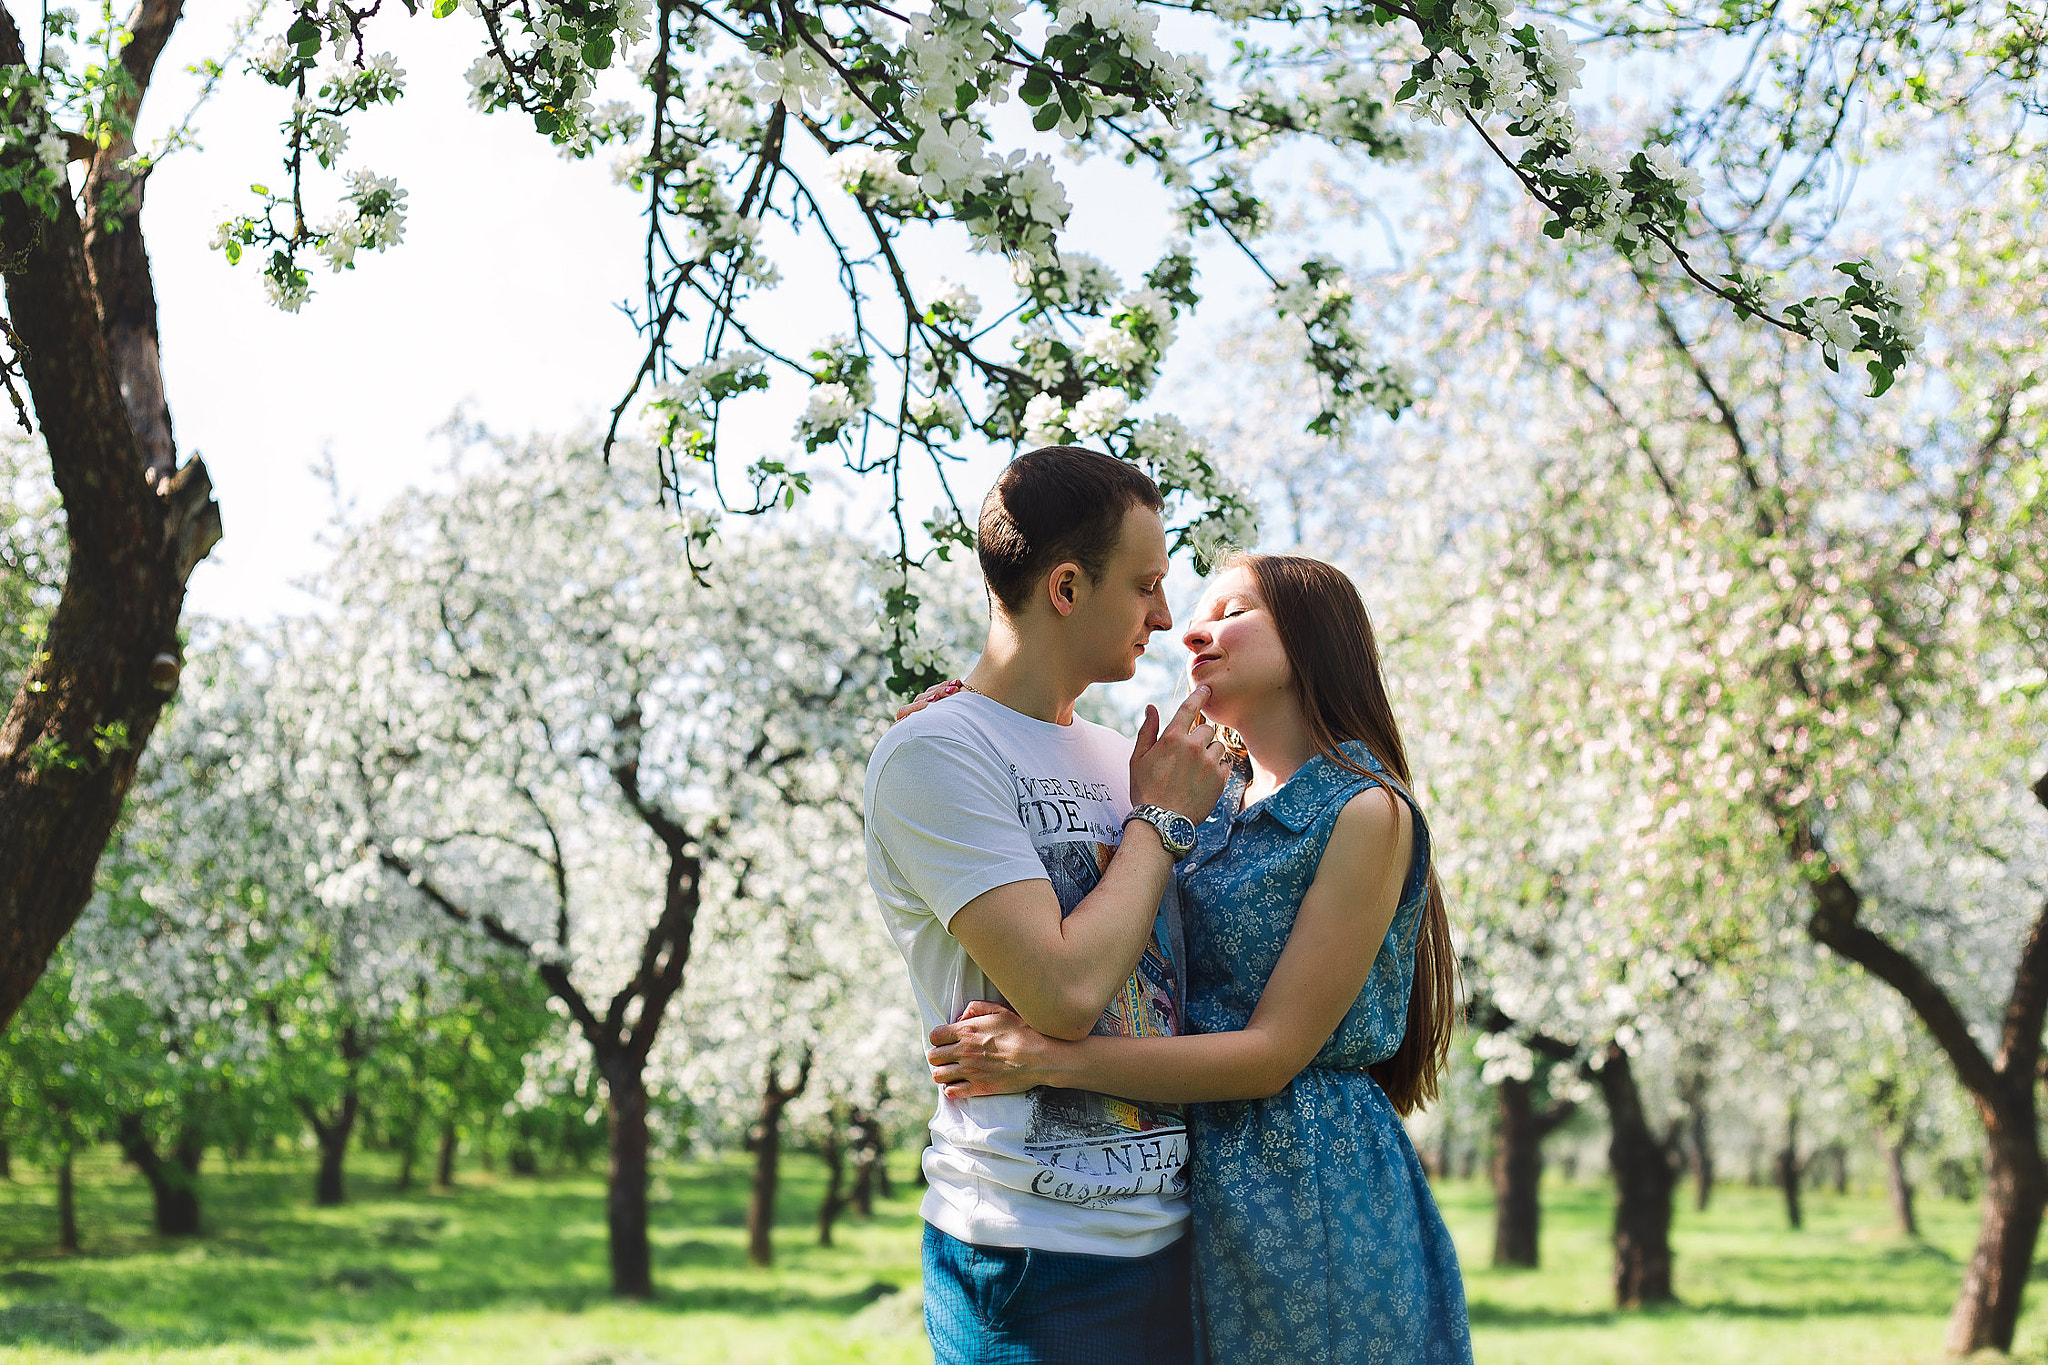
(1195,638)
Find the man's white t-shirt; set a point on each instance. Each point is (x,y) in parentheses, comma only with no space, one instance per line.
(965,796)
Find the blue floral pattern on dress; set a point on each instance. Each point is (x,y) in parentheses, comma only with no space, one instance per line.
(1316,1237)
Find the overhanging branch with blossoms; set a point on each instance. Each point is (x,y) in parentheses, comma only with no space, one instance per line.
(761,130)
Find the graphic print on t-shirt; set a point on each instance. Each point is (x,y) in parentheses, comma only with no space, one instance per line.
(1097,1149)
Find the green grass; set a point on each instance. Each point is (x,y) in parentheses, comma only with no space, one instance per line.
(499,1269)
(511,1269)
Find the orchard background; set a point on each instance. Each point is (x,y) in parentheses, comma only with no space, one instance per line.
(438,930)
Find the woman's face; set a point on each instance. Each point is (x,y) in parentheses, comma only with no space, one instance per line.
(1234,650)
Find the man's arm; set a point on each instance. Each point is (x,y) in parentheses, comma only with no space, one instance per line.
(1337,935)
(1059,973)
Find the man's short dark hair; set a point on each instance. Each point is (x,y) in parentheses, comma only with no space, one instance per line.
(1051,505)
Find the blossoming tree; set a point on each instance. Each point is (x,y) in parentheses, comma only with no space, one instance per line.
(1808,629)
(552,736)
(754,134)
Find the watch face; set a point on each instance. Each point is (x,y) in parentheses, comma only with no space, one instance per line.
(1180,832)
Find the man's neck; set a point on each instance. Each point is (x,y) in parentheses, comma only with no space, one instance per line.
(1025,676)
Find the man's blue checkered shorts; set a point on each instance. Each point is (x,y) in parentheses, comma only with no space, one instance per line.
(1012,1306)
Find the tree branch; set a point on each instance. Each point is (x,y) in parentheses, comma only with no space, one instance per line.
(1834,922)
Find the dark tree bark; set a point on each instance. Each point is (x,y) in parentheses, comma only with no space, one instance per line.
(2003,1087)
(625,1203)
(1519,1130)
(408,1156)
(868,1153)
(80,300)
(1790,1168)
(444,1161)
(1645,1177)
(67,1205)
(1900,1188)
(622,1037)
(1692,1092)
(832,1151)
(333,1128)
(764,1140)
(329,1187)
(6,1161)
(173,1176)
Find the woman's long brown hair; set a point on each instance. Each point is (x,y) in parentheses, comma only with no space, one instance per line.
(1330,648)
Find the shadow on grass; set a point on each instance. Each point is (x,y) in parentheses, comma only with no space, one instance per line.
(277,1275)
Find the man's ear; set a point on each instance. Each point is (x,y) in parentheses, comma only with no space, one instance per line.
(1063,587)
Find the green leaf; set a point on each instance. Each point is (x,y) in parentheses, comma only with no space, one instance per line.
(1045,119)
(263,190)
(1037,86)
(234,251)
(597,52)
(546,122)
(444,8)
(302,32)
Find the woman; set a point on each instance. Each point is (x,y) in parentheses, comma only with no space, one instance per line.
(1321,989)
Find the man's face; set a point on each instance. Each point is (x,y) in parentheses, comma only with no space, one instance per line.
(1114,618)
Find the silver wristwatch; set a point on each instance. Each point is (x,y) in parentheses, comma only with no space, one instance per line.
(1176,831)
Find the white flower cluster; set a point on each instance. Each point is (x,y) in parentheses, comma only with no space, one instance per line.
(1136,334)
(955,303)
(1879,311)
(52,152)
(1165,445)
(1132,29)
(678,409)
(1045,421)
(723,102)
(832,405)
(1100,412)
(287,295)
(872,174)
(797,76)
(1229,527)
(938,412)
(378,78)
(1073,280)
(371,215)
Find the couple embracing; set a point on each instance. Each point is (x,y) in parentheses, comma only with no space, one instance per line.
(1180,992)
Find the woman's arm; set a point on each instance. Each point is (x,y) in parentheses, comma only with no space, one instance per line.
(1330,951)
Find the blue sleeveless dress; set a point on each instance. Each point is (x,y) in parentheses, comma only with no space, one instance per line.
(1316,1238)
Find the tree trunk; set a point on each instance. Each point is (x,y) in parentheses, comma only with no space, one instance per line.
(764,1140)
(1517,1166)
(834,1157)
(408,1154)
(867,1159)
(6,1161)
(1702,1152)
(67,1206)
(444,1162)
(332,1136)
(625,1202)
(1789,1168)
(81,300)
(1900,1188)
(1644,1181)
(2015,1190)
(173,1178)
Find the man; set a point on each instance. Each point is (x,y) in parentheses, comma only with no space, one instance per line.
(1023,855)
